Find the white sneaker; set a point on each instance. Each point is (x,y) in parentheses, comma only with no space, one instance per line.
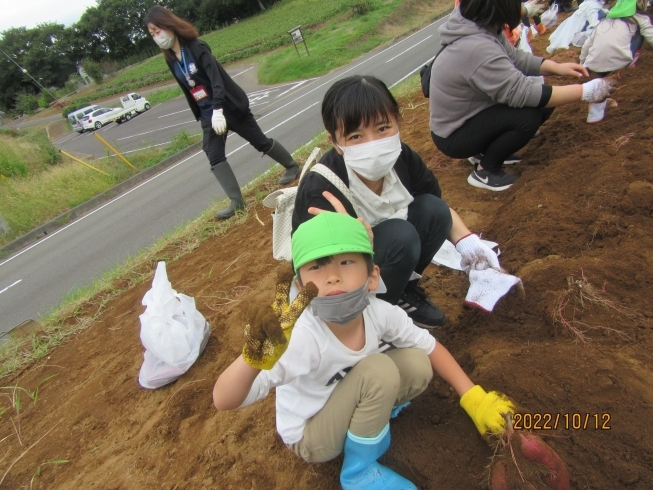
(596,112)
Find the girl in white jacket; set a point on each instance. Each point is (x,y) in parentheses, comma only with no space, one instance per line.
(615,44)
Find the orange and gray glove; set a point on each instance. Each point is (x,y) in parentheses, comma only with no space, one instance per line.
(268,329)
(487,409)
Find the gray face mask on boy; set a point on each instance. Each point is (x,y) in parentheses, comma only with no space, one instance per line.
(342,308)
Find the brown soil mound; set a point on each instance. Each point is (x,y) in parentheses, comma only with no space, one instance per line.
(582,209)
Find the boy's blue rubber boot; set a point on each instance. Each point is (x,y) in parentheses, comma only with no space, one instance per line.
(360,469)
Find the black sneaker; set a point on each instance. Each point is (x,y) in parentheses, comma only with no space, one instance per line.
(419,308)
(511,160)
(497,181)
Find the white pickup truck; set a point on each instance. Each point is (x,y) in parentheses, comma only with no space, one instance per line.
(132,104)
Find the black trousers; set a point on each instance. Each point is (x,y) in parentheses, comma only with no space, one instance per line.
(403,246)
(497,132)
(527,23)
(246,127)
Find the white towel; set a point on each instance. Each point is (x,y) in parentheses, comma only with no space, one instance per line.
(487,287)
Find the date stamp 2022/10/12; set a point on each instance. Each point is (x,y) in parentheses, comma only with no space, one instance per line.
(566,421)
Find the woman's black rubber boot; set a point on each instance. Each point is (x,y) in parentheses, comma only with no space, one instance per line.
(279,154)
(229,184)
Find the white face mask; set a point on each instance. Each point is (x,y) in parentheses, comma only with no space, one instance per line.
(374,159)
(164,40)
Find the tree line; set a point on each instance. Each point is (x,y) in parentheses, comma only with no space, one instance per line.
(112,31)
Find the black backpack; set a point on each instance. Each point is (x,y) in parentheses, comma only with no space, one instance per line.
(425,73)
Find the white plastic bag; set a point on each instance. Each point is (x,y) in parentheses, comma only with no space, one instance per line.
(586,17)
(563,35)
(523,40)
(173,332)
(550,17)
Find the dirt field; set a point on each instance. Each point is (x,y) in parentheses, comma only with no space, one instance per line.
(582,209)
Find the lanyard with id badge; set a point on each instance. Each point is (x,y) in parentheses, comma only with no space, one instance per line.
(199,92)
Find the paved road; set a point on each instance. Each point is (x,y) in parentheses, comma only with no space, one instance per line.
(37,278)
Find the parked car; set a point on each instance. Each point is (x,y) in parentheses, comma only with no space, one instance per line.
(132,104)
(75,118)
(99,118)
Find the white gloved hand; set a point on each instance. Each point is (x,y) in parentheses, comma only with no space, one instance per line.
(476,255)
(535,7)
(218,122)
(597,90)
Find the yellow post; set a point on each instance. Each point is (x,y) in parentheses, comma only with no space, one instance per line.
(79,161)
(113,150)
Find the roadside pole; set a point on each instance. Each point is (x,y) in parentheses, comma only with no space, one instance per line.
(102,140)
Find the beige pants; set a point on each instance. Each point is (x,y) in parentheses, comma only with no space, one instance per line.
(362,401)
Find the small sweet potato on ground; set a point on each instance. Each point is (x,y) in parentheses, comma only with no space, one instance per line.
(535,449)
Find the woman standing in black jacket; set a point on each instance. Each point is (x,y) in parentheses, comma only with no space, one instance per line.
(215,99)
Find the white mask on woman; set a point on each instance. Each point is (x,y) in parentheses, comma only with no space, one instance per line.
(374,159)
(164,40)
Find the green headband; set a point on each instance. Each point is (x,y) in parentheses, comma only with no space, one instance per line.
(623,8)
(328,234)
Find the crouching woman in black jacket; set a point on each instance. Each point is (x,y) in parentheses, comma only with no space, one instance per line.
(215,99)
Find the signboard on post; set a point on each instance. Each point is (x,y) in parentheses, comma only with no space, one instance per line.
(297,37)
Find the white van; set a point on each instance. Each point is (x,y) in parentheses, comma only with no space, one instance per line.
(75,118)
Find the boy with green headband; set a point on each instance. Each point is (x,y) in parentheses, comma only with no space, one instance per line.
(352,362)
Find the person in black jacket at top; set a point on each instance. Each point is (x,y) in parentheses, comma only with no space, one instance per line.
(215,99)
(393,191)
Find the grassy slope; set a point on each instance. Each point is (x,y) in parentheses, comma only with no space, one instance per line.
(42,195)
(346,37)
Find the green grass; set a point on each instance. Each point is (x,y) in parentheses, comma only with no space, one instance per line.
(346,37)
(24,152)
(31,200)
(164,95)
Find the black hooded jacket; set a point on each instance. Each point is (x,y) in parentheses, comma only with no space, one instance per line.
(225,93)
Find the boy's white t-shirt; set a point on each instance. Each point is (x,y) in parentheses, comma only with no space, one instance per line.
(307,373)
